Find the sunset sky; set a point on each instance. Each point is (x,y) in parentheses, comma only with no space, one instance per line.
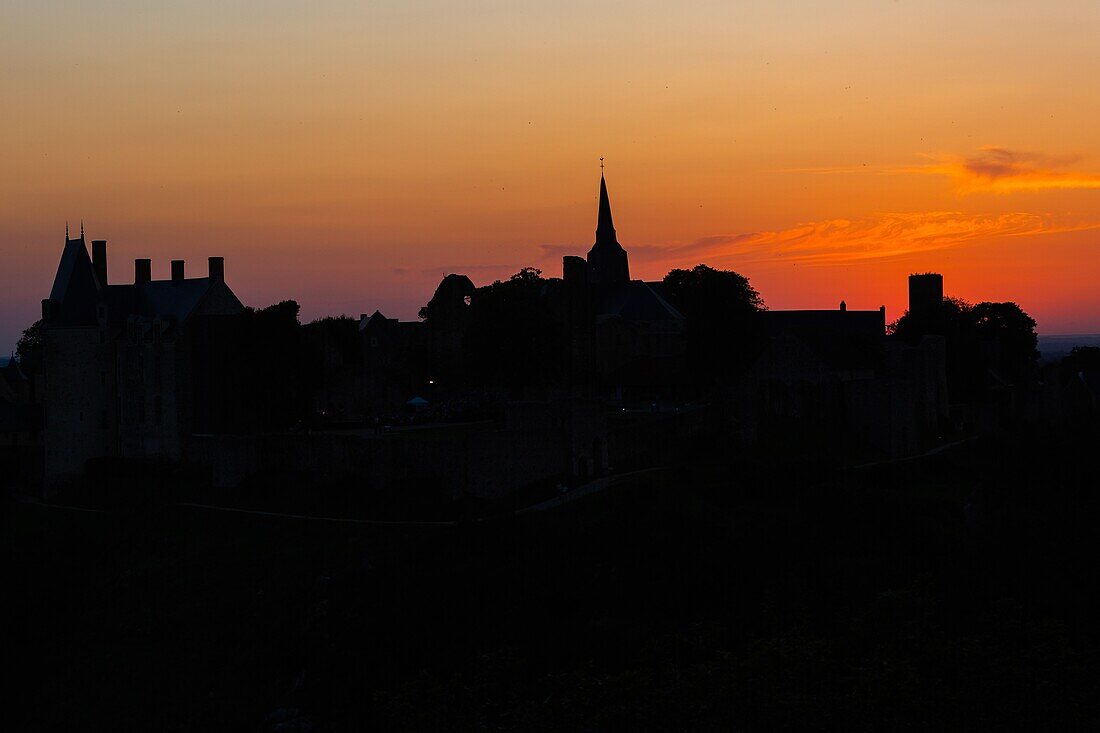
(348,154)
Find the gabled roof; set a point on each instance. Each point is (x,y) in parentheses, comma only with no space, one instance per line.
(77,292)
(826,322)
(177,300)
(634,300)
(376,320)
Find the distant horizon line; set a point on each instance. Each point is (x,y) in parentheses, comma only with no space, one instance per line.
(6,356)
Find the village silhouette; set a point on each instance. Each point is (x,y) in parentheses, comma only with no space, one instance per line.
(551,502)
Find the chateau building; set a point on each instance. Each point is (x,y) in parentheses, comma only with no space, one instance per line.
(130,370)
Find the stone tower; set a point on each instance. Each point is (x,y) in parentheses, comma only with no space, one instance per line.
(925,294)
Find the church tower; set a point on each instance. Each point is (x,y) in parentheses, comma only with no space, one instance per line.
(607,263)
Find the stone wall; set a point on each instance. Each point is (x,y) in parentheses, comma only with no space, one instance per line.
(79,413)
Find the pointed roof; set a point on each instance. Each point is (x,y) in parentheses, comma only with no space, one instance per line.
(77,293)
(71,267)
(607,260)
(605,228)
(375,320)
(74,286)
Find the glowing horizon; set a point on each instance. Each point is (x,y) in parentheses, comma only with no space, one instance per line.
(347,156)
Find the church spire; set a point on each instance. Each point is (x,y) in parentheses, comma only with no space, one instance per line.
(607,261)
(605,228)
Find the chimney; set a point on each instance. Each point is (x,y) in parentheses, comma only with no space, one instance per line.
(217,268)
(143,271)
(843,306)
(177,271)
(99,260)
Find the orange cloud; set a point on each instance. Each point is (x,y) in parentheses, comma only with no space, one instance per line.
(843,240)
(999,170)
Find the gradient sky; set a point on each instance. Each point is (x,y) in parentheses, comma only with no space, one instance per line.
(348,154)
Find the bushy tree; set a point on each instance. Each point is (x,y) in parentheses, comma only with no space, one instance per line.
(1013,331)
(334,340)
(276,386)
(705,290)
(514,336)
(981,339)
(29,349)
(722,308)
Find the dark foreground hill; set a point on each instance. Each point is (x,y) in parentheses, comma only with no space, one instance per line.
(950,591)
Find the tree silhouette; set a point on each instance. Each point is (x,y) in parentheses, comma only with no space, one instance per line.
(275,365)
(29,349)
(722,308)
(984,341)
(514,337)
(1013,330)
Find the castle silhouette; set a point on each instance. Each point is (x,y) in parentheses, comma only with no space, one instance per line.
(158,369)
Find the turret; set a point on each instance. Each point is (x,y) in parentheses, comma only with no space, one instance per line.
(925,294)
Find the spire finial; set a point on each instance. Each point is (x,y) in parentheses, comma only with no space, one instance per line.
(601,166)
(66,230)
(82,229)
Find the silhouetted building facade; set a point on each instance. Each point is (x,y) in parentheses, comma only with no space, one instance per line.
(831,381)
(550,377)
(634,338)
(130,370)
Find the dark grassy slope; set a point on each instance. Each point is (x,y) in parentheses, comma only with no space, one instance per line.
(951,591)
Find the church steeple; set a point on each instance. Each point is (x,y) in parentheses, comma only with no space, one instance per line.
(605,228)
(607,261)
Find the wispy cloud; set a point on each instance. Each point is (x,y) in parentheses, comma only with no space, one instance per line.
(843,240)
(1000,170)
(990,169)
